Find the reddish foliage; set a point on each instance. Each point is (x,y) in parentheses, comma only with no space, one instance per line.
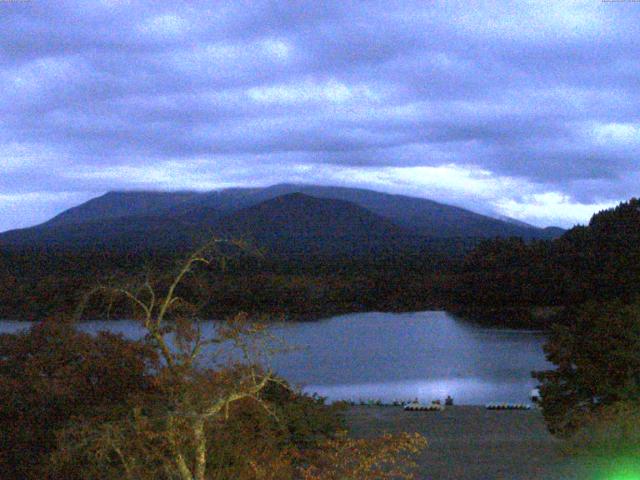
(52,373)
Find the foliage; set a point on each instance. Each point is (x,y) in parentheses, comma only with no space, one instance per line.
(597,364)
(385,457)
(249,444)
(104,407)
(147,439)
(168,434)
(35,283)
(613,430)
(600,261)
(53,373)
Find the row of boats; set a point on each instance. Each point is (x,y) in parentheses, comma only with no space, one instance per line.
(437,407)
(508,406)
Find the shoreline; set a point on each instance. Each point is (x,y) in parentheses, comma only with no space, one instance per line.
(520,318)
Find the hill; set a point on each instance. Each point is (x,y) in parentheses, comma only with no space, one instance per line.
(422,216)
(596,262)
(302,216)
(301,224)
(293,223)
(122,204)
(153,219)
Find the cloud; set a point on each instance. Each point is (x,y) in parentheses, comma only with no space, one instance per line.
(42,206)
(540,207)
(506,107)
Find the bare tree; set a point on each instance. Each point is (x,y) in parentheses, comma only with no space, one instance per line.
(170,433)
(195,397)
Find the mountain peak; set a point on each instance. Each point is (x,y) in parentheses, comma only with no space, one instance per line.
(299,216)
(300,209)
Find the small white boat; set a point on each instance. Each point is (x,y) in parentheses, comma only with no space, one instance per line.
(423,407)
(535,395)
(508,406)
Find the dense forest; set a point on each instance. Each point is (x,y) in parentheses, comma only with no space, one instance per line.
(37,283)
(596,262)
(503,279)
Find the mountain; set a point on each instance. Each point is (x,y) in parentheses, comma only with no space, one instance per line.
(551,233)
(296,223)
(547,233)
(281,214)
(288,223)
(513,221)
(418,215)
(123,204)
(421,216)
(121,233)
(297,215)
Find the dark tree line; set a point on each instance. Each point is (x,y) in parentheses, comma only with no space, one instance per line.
(592,395)
(37,283)
(600,261)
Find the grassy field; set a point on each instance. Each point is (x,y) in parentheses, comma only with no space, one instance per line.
(472,443)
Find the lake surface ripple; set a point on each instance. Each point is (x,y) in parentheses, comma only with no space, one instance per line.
(388,356)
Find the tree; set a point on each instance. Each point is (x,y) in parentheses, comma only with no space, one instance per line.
(52,373)
(170,427)
(610,432)
(386,457)
(597,364)
(234,421)
(104,407)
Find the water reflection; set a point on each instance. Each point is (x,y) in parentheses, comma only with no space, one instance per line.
(388,356)
(464,390)
(427,355)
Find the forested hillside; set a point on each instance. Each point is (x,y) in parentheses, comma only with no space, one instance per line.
(600,261)
(375,266)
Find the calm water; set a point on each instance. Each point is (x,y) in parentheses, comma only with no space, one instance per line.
(388,356)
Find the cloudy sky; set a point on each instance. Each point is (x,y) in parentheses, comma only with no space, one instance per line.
(530,110)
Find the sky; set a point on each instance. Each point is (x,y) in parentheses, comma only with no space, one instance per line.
(524,109)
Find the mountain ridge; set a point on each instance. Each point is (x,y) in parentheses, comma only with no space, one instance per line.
(178,216)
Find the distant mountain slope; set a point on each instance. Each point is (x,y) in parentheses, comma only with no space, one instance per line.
(297,215)
(551,233)
(167,218)
(507,219)
(294,222)
(422,216)
(121,233)
(123,204)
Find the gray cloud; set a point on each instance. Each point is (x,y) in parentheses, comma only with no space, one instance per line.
(544,96)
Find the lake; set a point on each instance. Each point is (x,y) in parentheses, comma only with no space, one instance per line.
(387,356)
